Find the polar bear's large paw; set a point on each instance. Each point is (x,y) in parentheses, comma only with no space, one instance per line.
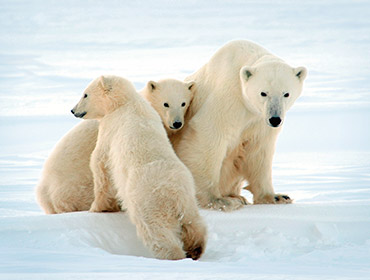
(228,203)
(273,199)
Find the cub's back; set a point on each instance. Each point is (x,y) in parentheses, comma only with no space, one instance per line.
(136,133)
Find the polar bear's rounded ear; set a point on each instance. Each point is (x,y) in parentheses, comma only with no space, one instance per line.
(247,72)
(105,83)
(191,86)
(300,72)
(152,86)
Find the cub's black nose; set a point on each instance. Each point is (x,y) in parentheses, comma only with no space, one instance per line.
(275,121)
(177,125)
(72,111)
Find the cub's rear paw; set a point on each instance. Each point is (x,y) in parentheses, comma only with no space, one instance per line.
(228,203)
(273,199)
(105,206)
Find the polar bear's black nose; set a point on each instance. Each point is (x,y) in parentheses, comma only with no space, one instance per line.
(177,125)
(275,121)
(72,111)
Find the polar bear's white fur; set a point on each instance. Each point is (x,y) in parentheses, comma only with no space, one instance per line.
(67,183)
(134,159)
(242,96)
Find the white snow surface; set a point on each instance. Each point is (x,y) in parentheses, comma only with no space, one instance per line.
(50,50)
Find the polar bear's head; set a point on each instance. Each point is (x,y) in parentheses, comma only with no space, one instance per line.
(171,99)
(270,89)
(102,96)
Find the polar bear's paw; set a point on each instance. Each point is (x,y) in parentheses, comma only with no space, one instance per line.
(227,203)
(273,199)
(282,199)
(105,206)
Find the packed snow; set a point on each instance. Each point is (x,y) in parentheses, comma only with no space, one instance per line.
(50,50)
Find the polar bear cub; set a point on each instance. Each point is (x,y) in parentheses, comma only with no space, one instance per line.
(67,184)
(171,99)
(134,156)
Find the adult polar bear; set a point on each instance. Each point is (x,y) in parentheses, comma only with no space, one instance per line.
(242,96)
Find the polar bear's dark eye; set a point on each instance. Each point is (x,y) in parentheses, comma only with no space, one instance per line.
(85,95)
(183,104)
(263,94)
(286,95)
(166,105)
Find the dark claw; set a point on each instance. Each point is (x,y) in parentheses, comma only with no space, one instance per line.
(195,254)
(286,197)
(277,198)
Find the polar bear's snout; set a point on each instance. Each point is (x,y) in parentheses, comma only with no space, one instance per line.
(175,119)
(275,110)
(77,114)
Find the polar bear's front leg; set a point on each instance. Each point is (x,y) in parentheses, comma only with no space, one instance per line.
(257,169)
(105,200)
(204,155)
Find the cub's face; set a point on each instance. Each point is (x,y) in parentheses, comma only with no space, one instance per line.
(171,99)
(271,89)
(91,104)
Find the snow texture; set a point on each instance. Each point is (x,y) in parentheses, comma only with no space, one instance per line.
(50,50)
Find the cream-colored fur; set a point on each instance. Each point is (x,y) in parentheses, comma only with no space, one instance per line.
(134,160)
(67,182)
(241,93)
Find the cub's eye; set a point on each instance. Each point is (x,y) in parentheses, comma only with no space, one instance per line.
(166,105)
(264,94)
(286,95)
(85,95)
(183,104)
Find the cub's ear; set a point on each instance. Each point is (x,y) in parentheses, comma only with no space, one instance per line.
(152,86)
(300,72)
(191,86)
(106,83)
(247,72)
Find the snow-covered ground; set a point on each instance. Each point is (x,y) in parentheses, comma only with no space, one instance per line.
(50,50)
